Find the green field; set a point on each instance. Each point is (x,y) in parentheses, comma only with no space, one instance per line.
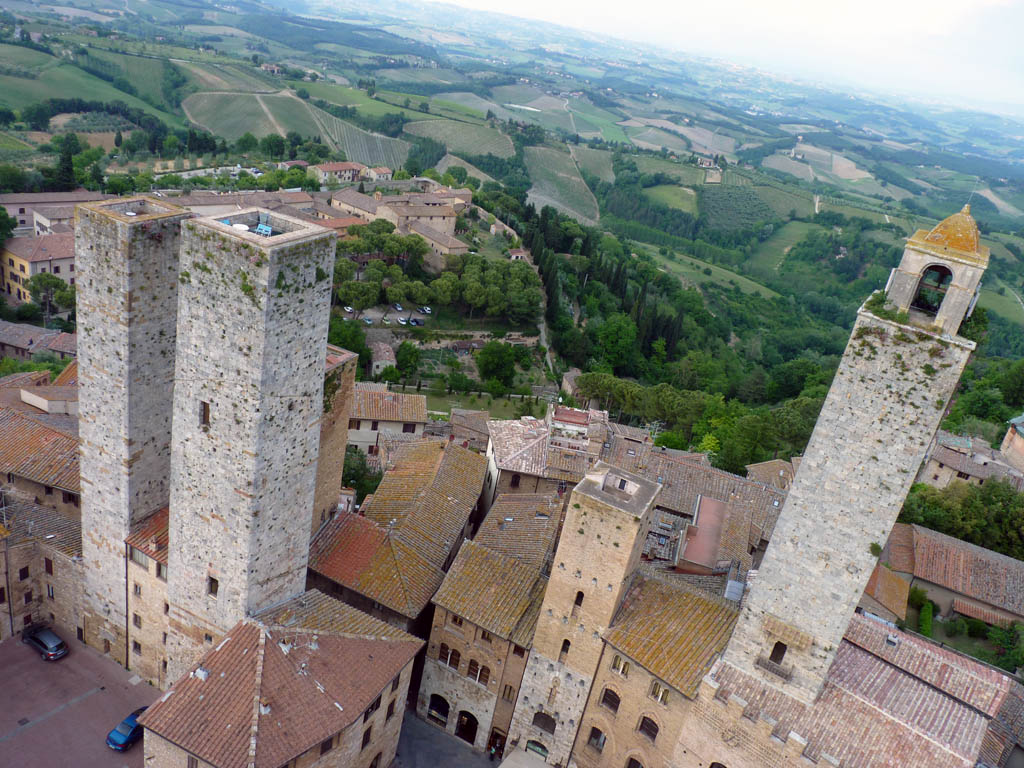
(655,138)
(595,161)
(687,173)
(598,119)
(476,104)
(693,271)
(449,161)
(229,114)
(683,198)
(770,254)
(9,142)
(226,77)
(1006,305)
(463,138)
(557,182)
(292,114)
(352,97)
(359,145)
(410,75)
(783,202)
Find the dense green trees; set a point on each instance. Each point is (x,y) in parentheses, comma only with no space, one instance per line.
(497,360)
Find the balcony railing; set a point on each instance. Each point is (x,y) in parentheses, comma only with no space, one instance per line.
(785,672)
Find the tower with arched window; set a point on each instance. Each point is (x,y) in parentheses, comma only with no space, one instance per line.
(939,276)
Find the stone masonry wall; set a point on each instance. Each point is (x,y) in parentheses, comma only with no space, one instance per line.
(147,599)
(333,440)
(252,338)
(127,305)
(881,412)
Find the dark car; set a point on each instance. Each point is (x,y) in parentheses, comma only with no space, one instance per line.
(47,642)
(128,732)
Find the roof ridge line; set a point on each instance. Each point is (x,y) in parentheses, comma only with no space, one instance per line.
(260,650)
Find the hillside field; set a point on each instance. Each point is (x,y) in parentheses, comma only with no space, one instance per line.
(683,198)
(771,253)
(464,138)
(595,161)
(557,182)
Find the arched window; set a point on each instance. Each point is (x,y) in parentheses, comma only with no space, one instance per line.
(634,763)
(648,728)
(717,765)
(577,604)
(376,761)
(610,699)
(473,670)
(620,665)
(538,748)
(579,599)
(596,739)
(485,675)
(453,659)
(935,281)
(448,656)
(515,481)
(778,653)
(544,721)
(438,710)
(564,652)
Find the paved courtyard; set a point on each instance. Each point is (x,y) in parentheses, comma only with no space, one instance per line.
(58,714)
(423,746)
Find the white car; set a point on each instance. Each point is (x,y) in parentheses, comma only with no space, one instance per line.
(349,310)
(402,321)
(425,310)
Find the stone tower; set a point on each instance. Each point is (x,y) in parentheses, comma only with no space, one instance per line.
(252,339)
(127,256)
(889,394)
(600,546)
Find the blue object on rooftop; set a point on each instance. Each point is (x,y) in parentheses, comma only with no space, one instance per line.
(263,229)
(225,221)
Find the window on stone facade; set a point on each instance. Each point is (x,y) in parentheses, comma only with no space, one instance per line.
(208,638)
(648,728)
(374,425)
(448,656)
(395,683)
(375,763)
(48,565)
(508,693)
(48,490)
(634,763)
(620,665)
(374,706)
(70,498)
(545,722)
(138,557)
(137,589)
(165,638)
(193,762)
(167,608)
(596,739)
(391,711)
(23,573)
(136,648)
(3,595)
(518,650)
(212,586)
(562,654)
(49,591)
(409,428)
(326,745)
(204,414)
(353,423)
(26,619)
(367,735)
(137,620)
(659,692)
(610,699)
(28,597)
(456,620)
(161,571)
(778,653)
(515,481)
(485,636)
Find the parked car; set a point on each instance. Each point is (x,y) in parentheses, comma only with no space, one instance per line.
(46,641)
(398,307)
(414,321)
(425,310)
(368,320)
(127,732)
(401,321)
(349,310)
(386,320)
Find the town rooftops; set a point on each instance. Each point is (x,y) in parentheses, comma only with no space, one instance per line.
(65,343)
(519,445)
(434,235)
(356,199)
(383,353)
(150,535)
(25,379)
(345,165)
(42,248)
(336,356)
(279,684)
(69,376)
(494,591)
(413,209)
(23,336)
(29,522)
(615,487)
(470,421)
(972,571)
(388,406)
(523,526)
(889,590)
(31,449)
(673,631)
(43,198)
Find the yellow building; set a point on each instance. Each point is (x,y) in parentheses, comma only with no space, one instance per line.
(24,257)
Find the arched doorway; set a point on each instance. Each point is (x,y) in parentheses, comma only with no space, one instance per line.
(537,747)
(465,727)
(717,765)
(438,710)
(931,289)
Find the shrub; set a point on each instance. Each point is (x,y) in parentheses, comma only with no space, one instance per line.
(876,549)
(977,628)
(924,624)
(917,597)
(956,627)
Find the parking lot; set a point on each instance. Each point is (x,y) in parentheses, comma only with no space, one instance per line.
(59,713)
(384,315)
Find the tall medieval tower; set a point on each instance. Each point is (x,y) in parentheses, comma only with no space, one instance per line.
(600,546)
(900,367)
(127,256)
(248,401)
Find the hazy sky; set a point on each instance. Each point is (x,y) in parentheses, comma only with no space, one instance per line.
(953,49)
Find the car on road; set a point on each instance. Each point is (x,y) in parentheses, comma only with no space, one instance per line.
(414,321)
(398,307)
(349,310)
(401,321)
(386,320)
(425,310)
(368,321)
(127,732)
(47,642)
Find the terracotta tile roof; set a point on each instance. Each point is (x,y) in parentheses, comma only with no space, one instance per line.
(43,198)
(30,522)
(34,450)
(64,342)
(56,211)
(889,590)
(978,464)
(388,406)
(977,611)
(11,398)
(356,199)
(346,165)
(469,424)
(520,445)
(69,376)
(970,570)
(381,352)
(777,472)
(27,337)
(412,467)
(150,536)
(42,248)
(493,591)
(671,630)
(269,692)
(336,356)
(428,232)
(899,549)
(523,526)
(27,379)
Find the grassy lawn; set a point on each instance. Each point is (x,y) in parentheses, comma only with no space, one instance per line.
(770,254)
(352,97)
(1006,305)
(683,198)
(685,172)
(9,142)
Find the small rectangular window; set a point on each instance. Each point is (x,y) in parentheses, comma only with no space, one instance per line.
(48,564)
(394,683)
(374,425)
(456,620)
(161,571)
(353,423)
(48,490)
(326,745)
(167,608)
(137,589)
(212,586)
(409,428)
(136,648)
(23,573)
(165,638)
(485,635)
(367,735)
(3,595)
(192,762)
(138,557)
(137,620)
(391,711)
(518,650)
(204,414)
(508,693)
(49,591)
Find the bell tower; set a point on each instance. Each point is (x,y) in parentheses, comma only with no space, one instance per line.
(900,367)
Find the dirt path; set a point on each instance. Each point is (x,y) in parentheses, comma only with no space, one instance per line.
(817,203)
(273,120)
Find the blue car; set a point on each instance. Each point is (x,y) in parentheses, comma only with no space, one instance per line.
(128,732)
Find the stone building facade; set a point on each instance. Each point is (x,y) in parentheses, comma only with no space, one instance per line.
(339,385)
(128,306)
(601,543)
(248,399)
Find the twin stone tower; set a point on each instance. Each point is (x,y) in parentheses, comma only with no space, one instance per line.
(201,365)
